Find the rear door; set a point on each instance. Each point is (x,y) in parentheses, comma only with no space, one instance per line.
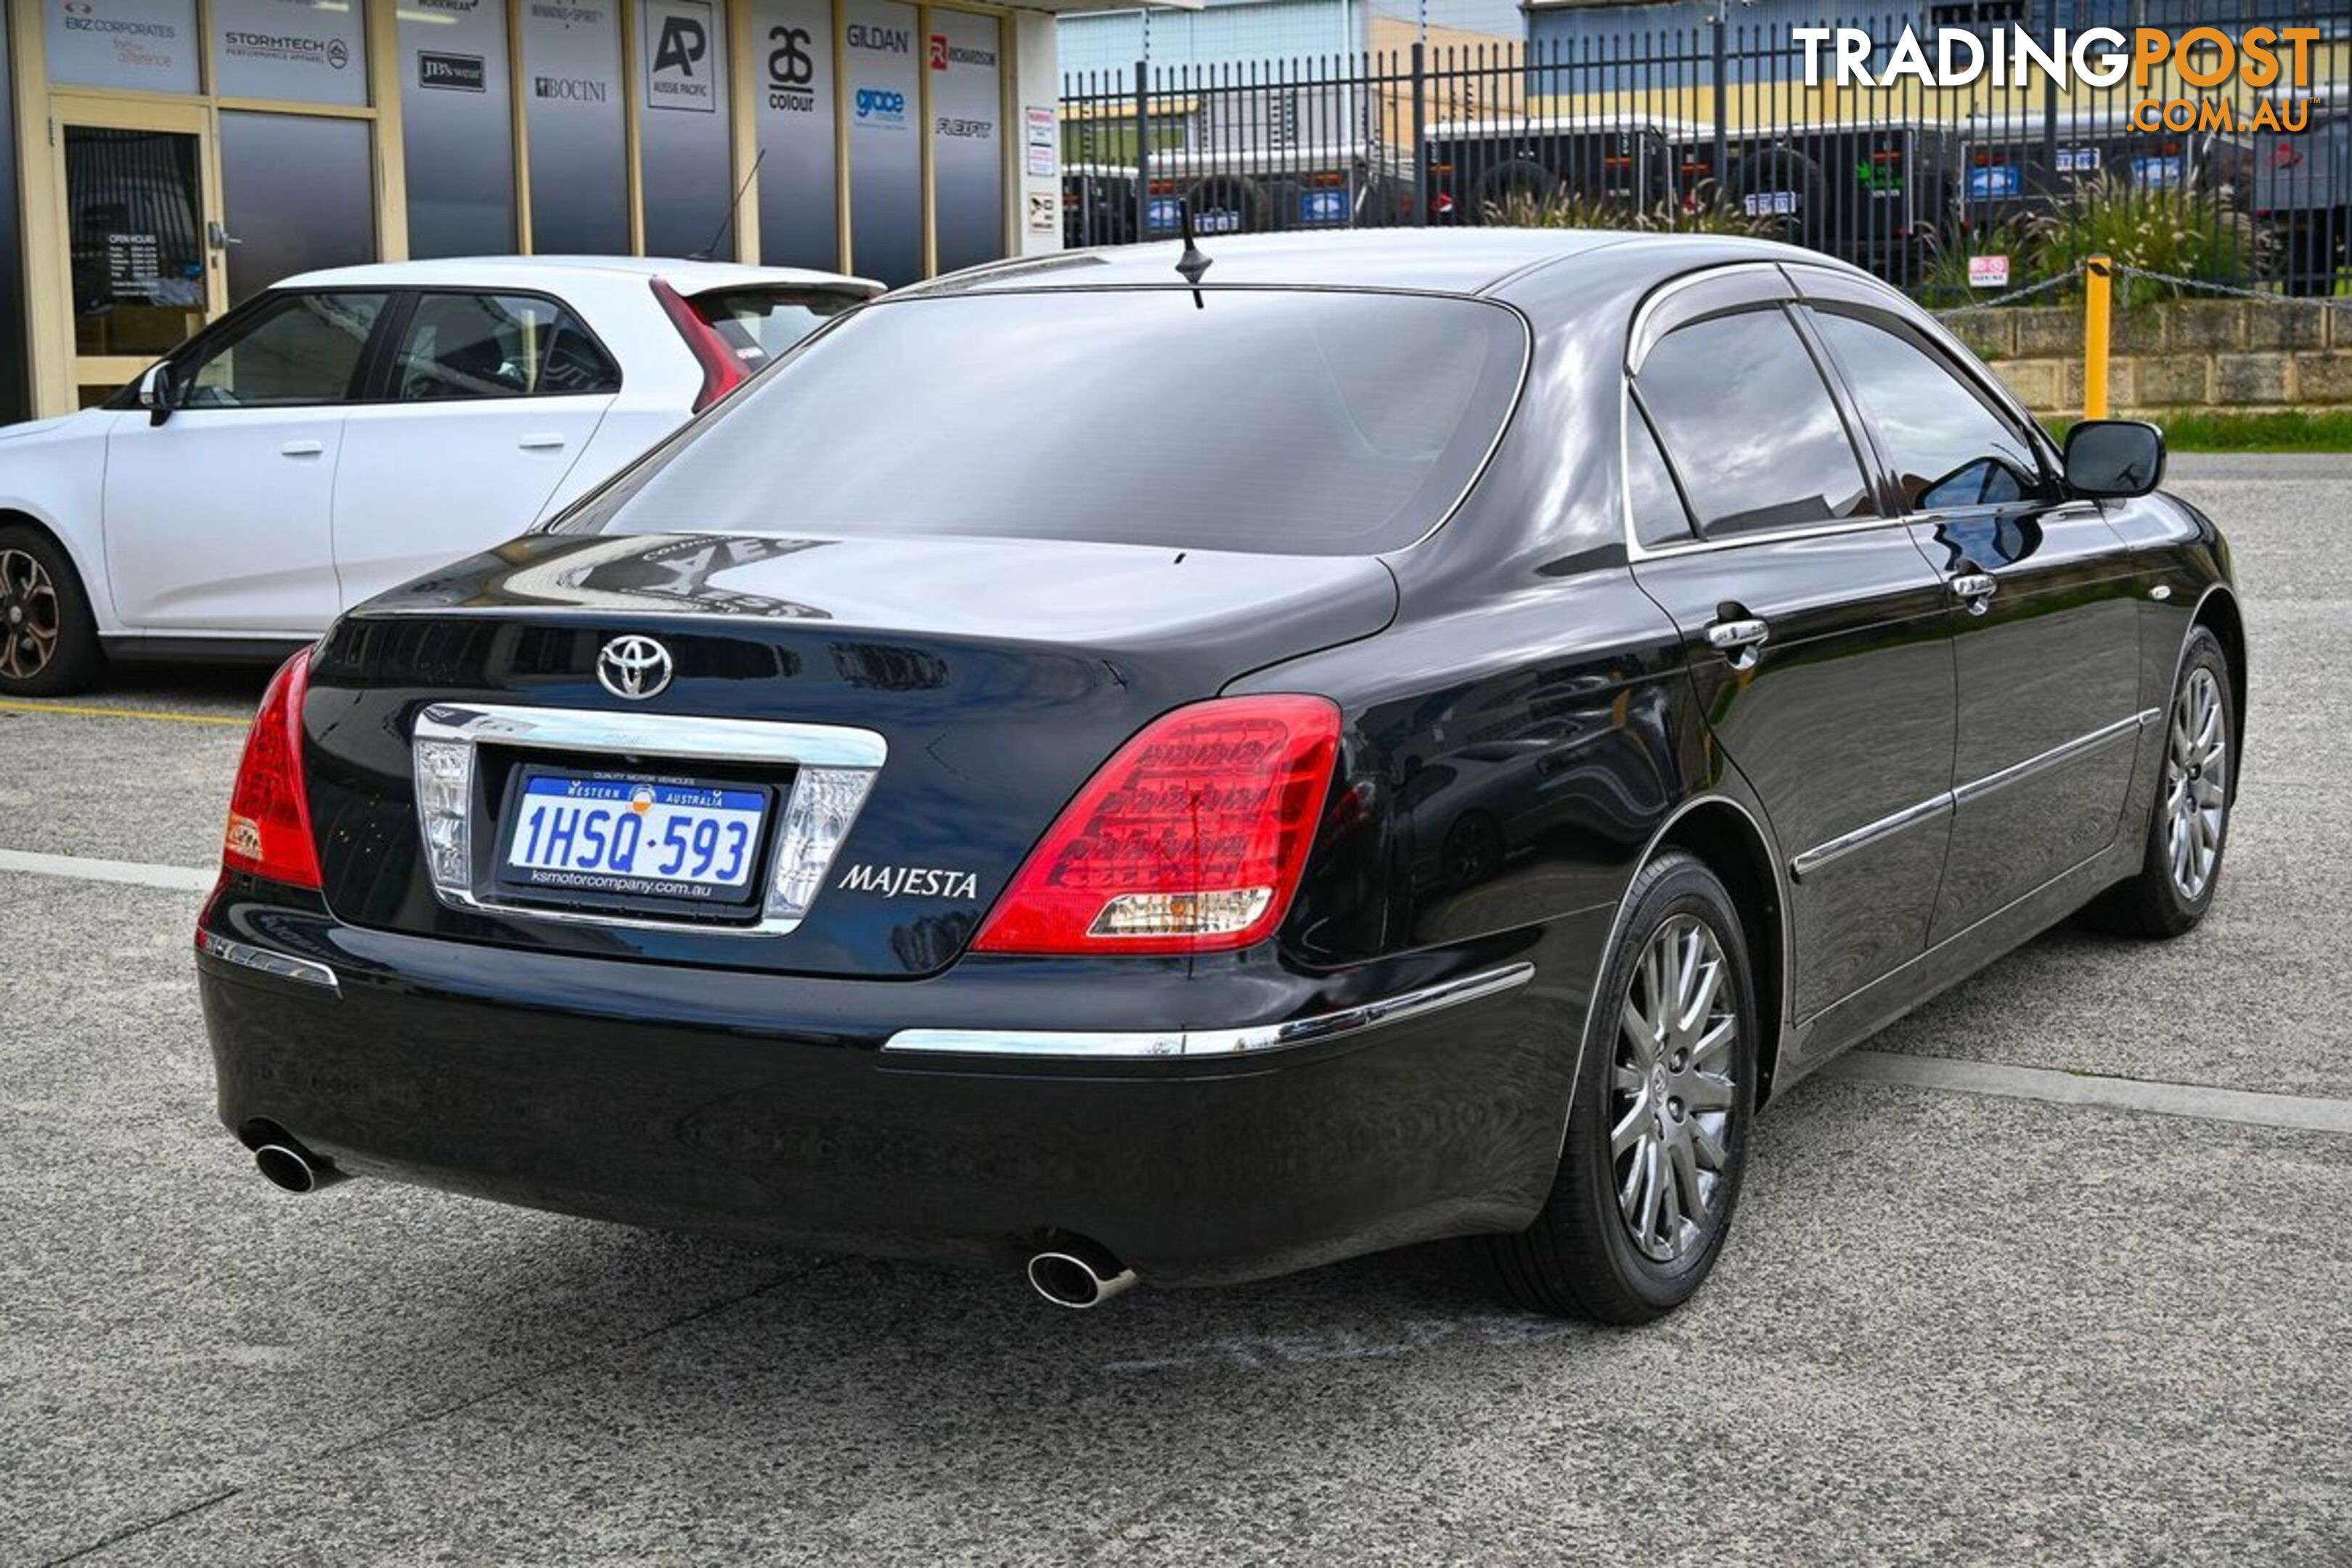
(2044,606)
(1815,630)
(485,401)
(218,519)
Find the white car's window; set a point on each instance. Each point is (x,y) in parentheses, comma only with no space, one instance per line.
(761,323)
(303,348)
(497,345)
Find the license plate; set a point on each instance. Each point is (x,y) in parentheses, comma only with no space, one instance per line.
(635,837)
(1994,183)
(1769,204)
(1323,206)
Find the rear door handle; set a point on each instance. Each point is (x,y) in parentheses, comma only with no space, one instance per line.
(302,449)
(1974,587)
(1739,639)
(539,443)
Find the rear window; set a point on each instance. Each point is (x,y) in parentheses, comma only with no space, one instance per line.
(759,325)
(1277,422)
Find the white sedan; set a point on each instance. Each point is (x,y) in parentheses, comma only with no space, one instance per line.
(348,430)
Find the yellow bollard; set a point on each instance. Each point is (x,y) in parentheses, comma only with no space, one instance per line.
(2096,305)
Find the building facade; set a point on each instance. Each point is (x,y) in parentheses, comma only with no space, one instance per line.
(169,158)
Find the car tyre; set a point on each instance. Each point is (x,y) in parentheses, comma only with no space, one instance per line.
(1665,1089)
(48,640)
(2189,821)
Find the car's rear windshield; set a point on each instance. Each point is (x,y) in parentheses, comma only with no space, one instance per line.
(1326,423)
(761,323)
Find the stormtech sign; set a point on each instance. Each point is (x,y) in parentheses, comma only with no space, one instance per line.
(288,46)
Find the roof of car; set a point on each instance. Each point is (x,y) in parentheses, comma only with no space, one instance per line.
(686,277)
(1429,261)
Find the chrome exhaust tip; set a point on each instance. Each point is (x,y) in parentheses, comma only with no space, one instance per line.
(1078,1275)
(294,1168)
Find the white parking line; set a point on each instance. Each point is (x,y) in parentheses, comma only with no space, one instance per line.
(2291,1110)
(139,874)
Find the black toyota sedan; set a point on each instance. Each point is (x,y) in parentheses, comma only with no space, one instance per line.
(1128,772)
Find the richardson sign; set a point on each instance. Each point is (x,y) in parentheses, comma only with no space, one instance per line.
(2166,69)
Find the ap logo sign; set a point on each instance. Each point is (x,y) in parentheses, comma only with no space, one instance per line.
(680,72)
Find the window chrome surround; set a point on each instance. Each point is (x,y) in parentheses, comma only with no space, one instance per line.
(1638,338)
(1098,1045)
(1845,844)
(284,965)
(835,768)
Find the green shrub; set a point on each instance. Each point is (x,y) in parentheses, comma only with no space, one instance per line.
(1945,254)
(2191,234)
(1707,211)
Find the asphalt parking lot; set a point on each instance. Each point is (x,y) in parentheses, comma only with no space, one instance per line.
(1960,1319)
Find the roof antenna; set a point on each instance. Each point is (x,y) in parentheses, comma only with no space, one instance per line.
(710,252)
(1192,264)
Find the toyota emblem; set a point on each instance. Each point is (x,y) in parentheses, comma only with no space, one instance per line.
(634,667)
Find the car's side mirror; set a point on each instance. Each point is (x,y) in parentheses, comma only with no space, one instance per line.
(2109,458)
(155,391)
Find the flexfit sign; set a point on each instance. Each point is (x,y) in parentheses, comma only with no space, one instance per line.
(2277,60)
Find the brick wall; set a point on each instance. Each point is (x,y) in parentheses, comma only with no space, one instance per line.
(2187,353)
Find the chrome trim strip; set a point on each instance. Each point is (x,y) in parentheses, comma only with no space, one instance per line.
(1075,1044)
(284,965)
(1845,844)
(828,759)
(2017,772)
(655,734)
(1869,833)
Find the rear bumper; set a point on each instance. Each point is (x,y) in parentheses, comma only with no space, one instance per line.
(775,1108)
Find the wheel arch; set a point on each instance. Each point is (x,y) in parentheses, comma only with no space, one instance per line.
(1729,841)
(2219,611)
(14,513)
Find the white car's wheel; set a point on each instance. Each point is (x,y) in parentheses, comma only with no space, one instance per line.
(48,644)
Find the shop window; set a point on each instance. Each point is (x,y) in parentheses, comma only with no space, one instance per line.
(885,128)
(458,129)
(300,192)
(683,146)
(964,57)
(799,223)
(579,138)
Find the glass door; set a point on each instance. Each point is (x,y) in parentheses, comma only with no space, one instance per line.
(142,233)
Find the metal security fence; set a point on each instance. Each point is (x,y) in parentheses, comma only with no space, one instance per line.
(1947,191)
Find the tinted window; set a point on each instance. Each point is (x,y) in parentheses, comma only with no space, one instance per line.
(1754,434)
(1659,515)
(1946,446)
(1270,421)
(301,347)
(761,323)
(497,345)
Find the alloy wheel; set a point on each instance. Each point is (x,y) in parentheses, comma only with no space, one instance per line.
(2197,783)
(30,616)
(1672,1102)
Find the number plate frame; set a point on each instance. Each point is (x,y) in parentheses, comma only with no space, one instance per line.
(514,884)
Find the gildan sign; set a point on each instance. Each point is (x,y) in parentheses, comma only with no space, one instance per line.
(680,65)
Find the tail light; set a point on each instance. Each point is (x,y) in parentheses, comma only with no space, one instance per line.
(268,830)
(723,369)
(1191,840)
